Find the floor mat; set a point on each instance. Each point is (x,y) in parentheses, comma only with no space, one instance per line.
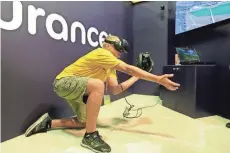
(158,130)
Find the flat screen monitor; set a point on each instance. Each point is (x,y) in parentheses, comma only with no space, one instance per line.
(187,55)
(195,14)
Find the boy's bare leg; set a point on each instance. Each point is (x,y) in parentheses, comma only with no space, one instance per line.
(92,139)
(74,123)
(95,90)
(67,123)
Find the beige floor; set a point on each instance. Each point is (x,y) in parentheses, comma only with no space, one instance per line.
(158,130)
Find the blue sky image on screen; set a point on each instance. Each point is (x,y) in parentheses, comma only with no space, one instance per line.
(194,14)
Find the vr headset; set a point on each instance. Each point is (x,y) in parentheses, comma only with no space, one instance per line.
(122,45)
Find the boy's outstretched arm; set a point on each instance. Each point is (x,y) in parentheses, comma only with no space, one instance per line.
(139,73)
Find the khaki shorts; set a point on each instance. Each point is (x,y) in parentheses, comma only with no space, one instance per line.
(72,89)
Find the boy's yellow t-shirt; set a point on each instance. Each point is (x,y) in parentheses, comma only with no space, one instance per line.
(98,64)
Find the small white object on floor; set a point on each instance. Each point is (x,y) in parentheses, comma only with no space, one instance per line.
(144,146)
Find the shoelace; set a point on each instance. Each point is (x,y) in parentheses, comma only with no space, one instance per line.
(98,139)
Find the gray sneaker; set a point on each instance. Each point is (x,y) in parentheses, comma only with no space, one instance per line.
(94,142)
(41,125)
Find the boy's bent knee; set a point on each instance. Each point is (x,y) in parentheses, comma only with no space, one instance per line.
(95,86)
